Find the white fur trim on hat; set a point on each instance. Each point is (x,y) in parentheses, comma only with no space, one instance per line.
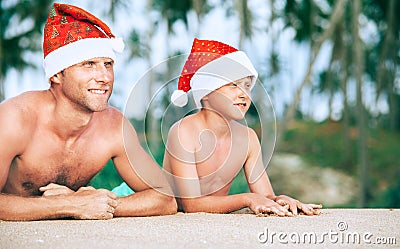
(79,51)
(179,98)
(219,72)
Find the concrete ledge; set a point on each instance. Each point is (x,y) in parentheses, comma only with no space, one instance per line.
(352,228)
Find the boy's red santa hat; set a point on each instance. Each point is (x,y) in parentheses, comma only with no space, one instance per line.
(211,65)
(73,35)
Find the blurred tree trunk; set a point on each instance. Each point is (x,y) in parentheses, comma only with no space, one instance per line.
(392,47)
(2,92)
(2,87)
(344,77)
(362,125)
(335,18)
(245,18)
(150,119)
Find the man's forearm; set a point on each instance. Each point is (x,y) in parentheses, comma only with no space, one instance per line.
(145,203)
(17,208)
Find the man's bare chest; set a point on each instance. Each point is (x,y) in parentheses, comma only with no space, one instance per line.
(47,161)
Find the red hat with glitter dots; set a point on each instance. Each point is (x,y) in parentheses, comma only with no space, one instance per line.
(211,65)
(73,35)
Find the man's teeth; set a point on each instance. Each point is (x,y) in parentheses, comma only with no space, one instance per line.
(98,91)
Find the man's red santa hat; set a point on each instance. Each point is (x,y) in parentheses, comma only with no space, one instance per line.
(211,65)
(73,35)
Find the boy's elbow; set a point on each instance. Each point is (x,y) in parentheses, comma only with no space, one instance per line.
(170,205)
(188,206)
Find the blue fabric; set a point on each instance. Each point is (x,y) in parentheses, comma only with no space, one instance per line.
(122,190)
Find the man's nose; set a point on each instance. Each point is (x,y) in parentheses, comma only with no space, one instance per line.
(103,74)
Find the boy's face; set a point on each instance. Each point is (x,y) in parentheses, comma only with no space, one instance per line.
(231,100)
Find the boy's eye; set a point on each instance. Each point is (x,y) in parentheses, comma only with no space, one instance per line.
(88,63)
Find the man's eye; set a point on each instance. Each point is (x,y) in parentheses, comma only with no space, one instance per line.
(108,64)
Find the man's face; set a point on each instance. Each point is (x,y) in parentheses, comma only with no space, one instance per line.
(89,84)
(232,100)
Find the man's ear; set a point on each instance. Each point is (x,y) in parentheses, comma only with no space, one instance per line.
(56,78)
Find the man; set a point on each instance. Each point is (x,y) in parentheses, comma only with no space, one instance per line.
(206,150)
(54,141)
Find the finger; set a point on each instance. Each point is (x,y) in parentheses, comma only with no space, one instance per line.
(281,202)
(277,211)
(317,212)
(113,203)
(112,195)
(306,209)
(47,187)
(111,209)
(106,216)
(109,194)
(285,210)
(263,210)
(316,206)
(86,188)
(293,208)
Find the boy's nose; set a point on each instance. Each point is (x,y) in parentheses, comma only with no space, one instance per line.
(242,93)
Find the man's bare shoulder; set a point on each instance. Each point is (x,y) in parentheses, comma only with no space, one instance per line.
(112,124)
(24,101)
(23,109)
(111,113)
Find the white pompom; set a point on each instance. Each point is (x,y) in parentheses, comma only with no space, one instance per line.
(118,44)
(179,98)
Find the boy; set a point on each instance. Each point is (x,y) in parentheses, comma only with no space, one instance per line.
(206,150)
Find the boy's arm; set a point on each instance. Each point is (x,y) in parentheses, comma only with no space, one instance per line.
(153,195)
(259,181)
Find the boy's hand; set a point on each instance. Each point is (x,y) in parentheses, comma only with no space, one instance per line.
(294,205)
(260,204)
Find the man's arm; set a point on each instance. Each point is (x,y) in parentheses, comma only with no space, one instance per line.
(259,182)
(153,195)
(15,129)
(83,204)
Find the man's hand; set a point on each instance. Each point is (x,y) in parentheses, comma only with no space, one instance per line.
(294,205)
(261,204)
(88,203)
(93,203)
(55,189)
